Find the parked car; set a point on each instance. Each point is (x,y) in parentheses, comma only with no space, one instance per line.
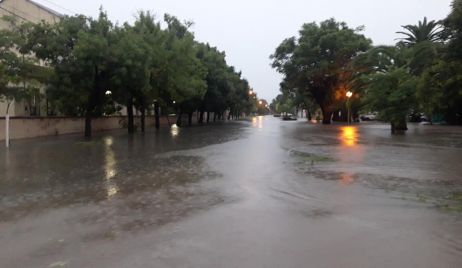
(277,115)
(368,117)
(289,117)
(417,118)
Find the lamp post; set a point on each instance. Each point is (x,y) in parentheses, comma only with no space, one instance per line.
(349,94)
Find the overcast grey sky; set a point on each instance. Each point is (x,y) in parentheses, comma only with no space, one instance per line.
(249,31)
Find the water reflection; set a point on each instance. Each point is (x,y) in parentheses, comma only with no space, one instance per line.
(349,136)
(174,130)
(110,168)
(254,122)
(257,122)
(346,178)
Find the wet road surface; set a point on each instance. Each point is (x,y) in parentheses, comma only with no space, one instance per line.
(264,193)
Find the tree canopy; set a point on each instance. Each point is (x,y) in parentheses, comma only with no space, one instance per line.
(420,74)
(319,62)
(96,68)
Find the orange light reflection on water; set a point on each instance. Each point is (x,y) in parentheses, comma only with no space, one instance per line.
(346,178)
(350,153)
(349,136)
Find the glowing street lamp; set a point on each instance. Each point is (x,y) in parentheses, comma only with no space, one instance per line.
(260,102)
(108,93)
(251,92)
(349,94)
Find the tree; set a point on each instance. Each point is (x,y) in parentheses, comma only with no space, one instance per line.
(217,80)
(9,70)
(20,75)
(92,62)
(425,43)
(450,75)
(424,31)
(78,49)
(155,38)
(185,76)
(239,99)
(319,62)
(140,64)
(130,74)
(55,45)
(392,94)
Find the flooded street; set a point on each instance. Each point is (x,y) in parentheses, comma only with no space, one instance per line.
(264,193)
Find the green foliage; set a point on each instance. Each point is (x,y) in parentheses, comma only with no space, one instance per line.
(20,76)
(430,90)
(392,94)
(319,63)
(186,73)
(453,31)
(283,103)
(424,31)
(140,64)
(450,74)
(419,74)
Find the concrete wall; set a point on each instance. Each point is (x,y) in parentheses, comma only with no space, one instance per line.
(27,10)
(30,127)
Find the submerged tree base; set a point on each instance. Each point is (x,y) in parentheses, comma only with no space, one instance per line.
(399,127)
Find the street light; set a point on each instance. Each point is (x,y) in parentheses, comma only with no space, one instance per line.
(260,102)
(108,93)
(250,92)
(349,94)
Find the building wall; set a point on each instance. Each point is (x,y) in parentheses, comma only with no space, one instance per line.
(25,10)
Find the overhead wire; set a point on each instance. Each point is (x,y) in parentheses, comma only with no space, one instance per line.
(14,14)
(59,6)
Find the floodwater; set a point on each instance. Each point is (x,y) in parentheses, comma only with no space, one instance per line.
(264,193)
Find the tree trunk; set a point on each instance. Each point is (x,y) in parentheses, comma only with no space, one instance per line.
(92,102)
(201,117)
(214,117)
(308,115)
(326,115)
(190,117)
(157,115)
(178,120)
(89,116)
(143,119)
(88,125)
(399,127)
(131,124)
(208,117)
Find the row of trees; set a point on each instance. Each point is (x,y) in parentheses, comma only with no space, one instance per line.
(93,67)
(422,73)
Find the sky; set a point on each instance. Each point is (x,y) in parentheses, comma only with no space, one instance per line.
(249,31)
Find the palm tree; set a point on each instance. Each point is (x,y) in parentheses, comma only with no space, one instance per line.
(424,31)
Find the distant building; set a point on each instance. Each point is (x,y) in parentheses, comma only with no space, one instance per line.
(30,11)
